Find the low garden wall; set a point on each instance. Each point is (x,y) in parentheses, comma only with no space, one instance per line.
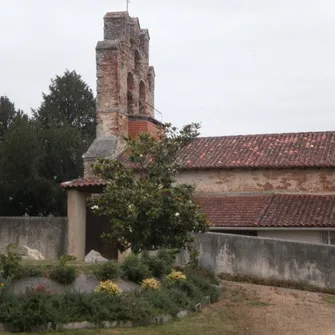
(265,258)
(45,234)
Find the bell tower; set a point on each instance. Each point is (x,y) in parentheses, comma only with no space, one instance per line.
(125,86)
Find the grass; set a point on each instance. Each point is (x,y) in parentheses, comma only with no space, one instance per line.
(256,302)
(331,300)
(216,319)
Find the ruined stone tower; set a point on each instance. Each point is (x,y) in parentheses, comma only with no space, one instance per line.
(125,86)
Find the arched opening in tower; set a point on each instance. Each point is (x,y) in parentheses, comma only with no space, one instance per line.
(142,104)
(130,94)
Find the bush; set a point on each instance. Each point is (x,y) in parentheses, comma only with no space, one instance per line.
(29,271)
(10,266)
(108,287)
(161,301)
(150,283)
(160,264)
(205,287)
(63,274)
(107,271)
(203,273)
(66,258)
(134,269)
(38,307)
(176,276)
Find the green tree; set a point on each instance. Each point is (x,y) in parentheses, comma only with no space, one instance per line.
(19,154)
(66,128)
(70,102)
(37,154)
(8,114)
(147,209)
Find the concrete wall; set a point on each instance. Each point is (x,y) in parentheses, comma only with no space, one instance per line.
(260,180)
(45,234)
(267,258)
(295,235)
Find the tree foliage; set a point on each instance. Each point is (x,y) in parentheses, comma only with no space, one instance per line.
(147,209)
(37,154)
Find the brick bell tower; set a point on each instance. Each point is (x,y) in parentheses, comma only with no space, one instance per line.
(125,87)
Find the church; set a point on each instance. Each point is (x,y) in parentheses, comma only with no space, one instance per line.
(279,186)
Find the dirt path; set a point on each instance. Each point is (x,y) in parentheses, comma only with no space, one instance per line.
(264,310)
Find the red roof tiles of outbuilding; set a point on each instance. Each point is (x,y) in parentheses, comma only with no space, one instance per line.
(273,210)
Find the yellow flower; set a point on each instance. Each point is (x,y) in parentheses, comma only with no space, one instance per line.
(176,276)
(108,287)
(2,285)
(150,283)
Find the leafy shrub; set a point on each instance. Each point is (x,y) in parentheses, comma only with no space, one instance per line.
(108,287)
(29,271)
(150,283)
(176,276)
(107,271)
(203,273)
(10,265)
(205,287)
(160,264)
(26,312)
(63,274)
(189,288)
(134,269)
(161,301)
(66,259)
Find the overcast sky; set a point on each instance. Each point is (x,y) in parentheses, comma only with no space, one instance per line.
(236,66)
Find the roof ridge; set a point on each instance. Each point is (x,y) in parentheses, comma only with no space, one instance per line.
(269,134)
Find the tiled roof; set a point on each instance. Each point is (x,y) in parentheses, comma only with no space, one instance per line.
(290,150)
(83,182)
(275,210)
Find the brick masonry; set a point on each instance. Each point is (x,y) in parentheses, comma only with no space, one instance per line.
(125,86)
(125,81)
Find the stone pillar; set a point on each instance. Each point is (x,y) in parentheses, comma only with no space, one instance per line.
(76,208)
(122,255)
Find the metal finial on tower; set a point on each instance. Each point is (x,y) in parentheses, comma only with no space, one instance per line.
(128,2)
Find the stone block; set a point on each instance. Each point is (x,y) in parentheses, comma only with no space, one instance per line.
(182,314)
(94,257)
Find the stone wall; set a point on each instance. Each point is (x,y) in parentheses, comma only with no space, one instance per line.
(261,180)
(266,258)
(45,234)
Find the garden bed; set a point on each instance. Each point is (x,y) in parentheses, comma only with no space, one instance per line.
(140,291)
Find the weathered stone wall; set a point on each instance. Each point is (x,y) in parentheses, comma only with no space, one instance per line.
(125,82)
(45,234)
(267,258)
(261,180)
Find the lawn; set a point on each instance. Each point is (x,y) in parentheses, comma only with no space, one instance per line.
(216,319)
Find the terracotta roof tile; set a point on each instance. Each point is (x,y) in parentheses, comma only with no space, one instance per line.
(276,210)
(313,149)
(83,182)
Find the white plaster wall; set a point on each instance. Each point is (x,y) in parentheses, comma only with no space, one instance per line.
(299,236)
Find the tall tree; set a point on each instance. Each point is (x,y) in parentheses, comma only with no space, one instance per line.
(70,102)
(66,128)
(19,153)
(37,154)
(147,209)
(8,113)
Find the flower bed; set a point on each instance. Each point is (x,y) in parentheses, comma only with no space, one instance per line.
(158,300)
